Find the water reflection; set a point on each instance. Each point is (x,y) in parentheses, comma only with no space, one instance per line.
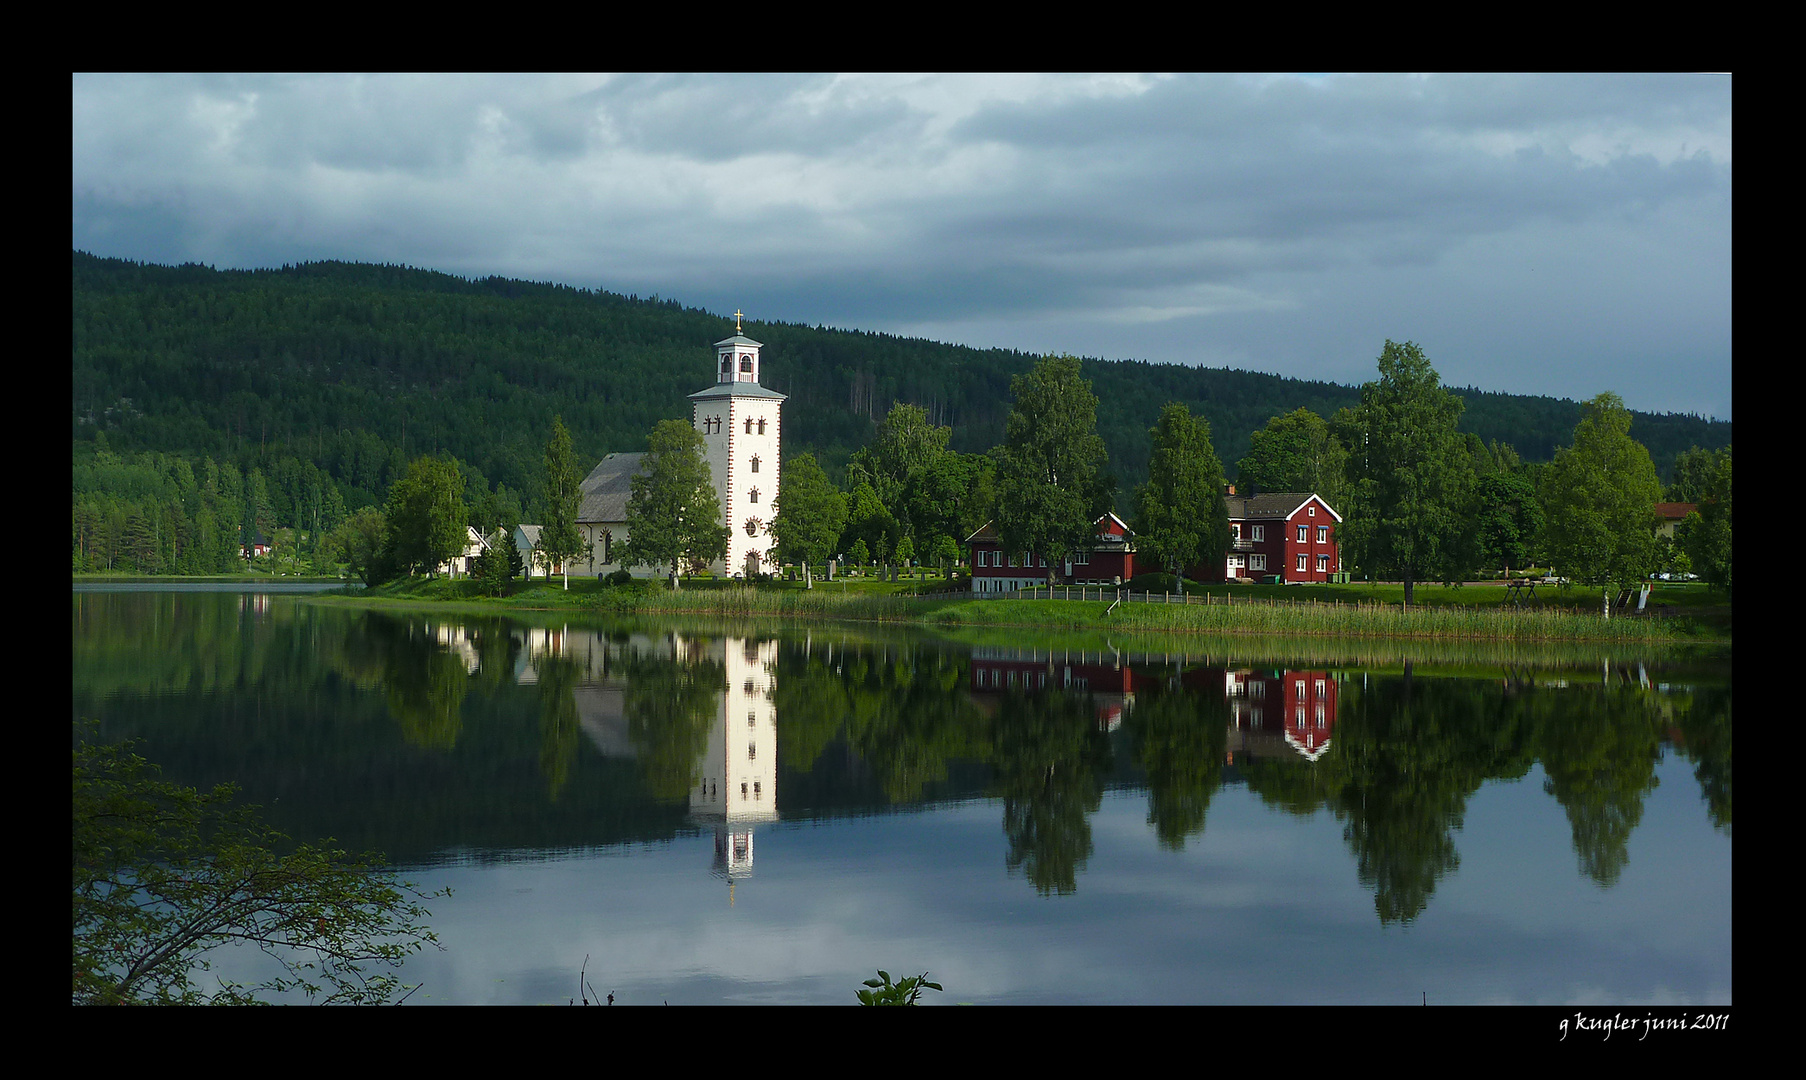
(432,738)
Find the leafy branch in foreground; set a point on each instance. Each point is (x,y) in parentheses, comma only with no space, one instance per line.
(164,874)
(884,992)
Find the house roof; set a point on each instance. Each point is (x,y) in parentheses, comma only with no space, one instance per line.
(986,534)
(607,488)
(1274,504)
(1674,511)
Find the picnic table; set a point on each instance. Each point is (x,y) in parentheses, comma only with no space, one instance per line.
(1516,592)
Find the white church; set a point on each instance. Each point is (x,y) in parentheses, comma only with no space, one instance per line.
(739,423)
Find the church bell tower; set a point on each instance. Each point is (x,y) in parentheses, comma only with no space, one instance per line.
(739,422)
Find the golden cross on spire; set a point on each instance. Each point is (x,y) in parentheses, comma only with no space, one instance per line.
(737,318)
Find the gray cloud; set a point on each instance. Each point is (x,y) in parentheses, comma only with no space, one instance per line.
(1551,234)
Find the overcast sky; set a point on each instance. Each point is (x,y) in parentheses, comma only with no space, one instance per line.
(1559,235)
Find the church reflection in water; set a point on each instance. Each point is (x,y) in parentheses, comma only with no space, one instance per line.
(700,715)
(737,785)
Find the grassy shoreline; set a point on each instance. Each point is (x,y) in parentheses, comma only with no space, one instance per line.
(1226,615)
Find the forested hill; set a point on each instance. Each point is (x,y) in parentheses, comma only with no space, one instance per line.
(358,368)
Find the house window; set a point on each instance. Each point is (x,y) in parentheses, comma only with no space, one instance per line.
(1260,533)
(1012,560)
(1303,536)
(1235,530)
(1301,561)
(1257,562)
(1083,558)
(1323,564)
(1312,511)
(1323,534)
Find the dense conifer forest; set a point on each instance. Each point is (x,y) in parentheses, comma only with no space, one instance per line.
(205,401)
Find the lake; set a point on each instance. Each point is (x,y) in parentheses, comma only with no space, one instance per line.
(702,814)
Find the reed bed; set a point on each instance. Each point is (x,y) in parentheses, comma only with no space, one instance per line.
(1249,617)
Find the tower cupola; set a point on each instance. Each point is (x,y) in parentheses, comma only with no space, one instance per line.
(737,358)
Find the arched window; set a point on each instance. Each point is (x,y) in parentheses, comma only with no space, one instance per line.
(754,494)
(749,425)
(746,363)
(755,463)
(727,365)
(761,425)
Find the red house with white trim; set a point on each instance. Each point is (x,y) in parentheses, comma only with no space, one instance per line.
(1109,559)
(1289,534)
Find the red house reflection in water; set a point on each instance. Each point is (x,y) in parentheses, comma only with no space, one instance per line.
(1103,675)
(1271,710)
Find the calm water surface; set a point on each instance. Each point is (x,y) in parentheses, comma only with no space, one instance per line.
(766,816)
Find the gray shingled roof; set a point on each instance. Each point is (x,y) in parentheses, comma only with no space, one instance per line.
(738,389)
(607,487)
(1273,504)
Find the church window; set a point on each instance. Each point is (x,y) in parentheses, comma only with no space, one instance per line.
(754,494)
(761,425)
(746,363)
(727,365)
(749,425)
(752,751)
(755,463)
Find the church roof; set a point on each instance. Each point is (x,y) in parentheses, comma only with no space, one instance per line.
(607,488)
(738,389)
(739,339)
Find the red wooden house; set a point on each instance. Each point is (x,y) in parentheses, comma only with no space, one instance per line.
(1291,535)
(1109,559)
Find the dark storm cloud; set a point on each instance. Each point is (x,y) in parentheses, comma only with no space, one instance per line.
(1276,221)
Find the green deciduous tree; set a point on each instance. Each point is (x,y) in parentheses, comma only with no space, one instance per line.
(1180,516)
(1599,499)
(810,515)
(425,516)
(1295,452)
(1051,483)
(673,516)
(1507,519)
(164,874)
(1410,474)
(1705,535)
(559,540)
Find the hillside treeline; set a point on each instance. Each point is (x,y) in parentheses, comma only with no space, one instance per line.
(330,377)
